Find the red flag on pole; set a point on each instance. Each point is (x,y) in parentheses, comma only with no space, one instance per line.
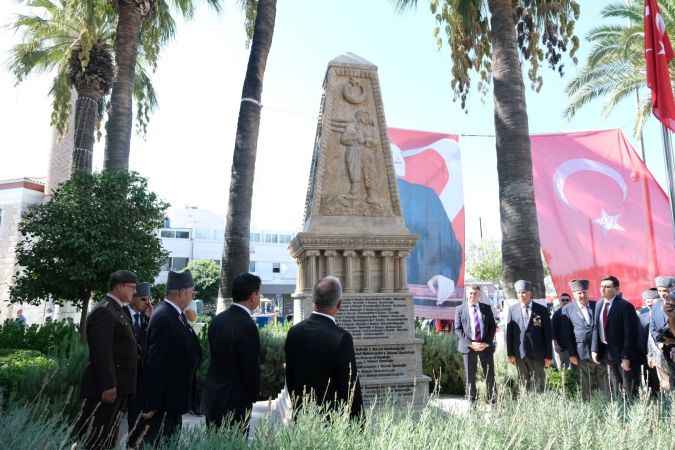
(600,212)
(658,53)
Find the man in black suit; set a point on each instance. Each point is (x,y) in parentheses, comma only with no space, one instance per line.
(562,358)
(173,356)
(320,358)
(139,311)
(475,329)
(528,338)
(615,339)
(233,380)
(110,376)
(576,333)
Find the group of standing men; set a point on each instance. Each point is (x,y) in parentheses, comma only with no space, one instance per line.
(610,345)
(143,361)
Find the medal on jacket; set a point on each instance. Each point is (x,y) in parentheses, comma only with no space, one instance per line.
(536,321)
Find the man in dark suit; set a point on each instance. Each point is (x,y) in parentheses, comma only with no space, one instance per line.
(475,328)
(110,376)
(658,326)
(528,338)
(576,333)
(173,356)
(139,311)
(320,358)
(562,358)
(233,380)
(615,339)
(649,374)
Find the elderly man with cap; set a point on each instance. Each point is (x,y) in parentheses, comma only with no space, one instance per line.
(110,376)
(562,357)
(576,332)
(649,373)
(173,356)
(139,312)
(528,338)
(660,356)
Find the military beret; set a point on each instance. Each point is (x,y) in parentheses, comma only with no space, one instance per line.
(663,282)
(522,285)
(179,280)
(122,277)
(143,290)
(579,285)
(650,294)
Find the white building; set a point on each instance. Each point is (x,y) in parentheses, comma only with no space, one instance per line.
(191,233)
(16,196)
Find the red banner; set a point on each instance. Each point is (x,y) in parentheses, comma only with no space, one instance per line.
(658,53)
(600,212)
(428,167)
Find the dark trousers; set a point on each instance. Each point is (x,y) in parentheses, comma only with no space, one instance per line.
(487,363)
(622,381)
(237,417)
(134,419)
(160,428)
(591,377)
(98,423)
(651,380)
(531,373)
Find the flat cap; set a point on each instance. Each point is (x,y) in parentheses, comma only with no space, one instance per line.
(179,280)
(143,290)
(664,282)
(522,285)
(650,294)
(579,285)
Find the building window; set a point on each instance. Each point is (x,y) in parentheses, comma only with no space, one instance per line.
(276,267)
(255,237)
(168,234)
(251,266)
(179,263)
(182,235)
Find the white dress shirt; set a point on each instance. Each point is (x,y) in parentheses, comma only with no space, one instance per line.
(605,304)
(472,321)
(325,315)
(585,313)
(527,311)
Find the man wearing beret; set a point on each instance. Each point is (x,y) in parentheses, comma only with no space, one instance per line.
(649,298)
(110,376)
(139,311)
(659,332)
(615,339)
(173,356)
(576,335)
(528,338)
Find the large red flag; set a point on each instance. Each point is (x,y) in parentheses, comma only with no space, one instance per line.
(600,212)
(658,53)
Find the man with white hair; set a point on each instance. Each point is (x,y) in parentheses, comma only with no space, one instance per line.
(320,358)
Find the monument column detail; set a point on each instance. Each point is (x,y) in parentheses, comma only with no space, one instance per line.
(349,270)
(368,270)
(312,270)
(402,271)
(388,271)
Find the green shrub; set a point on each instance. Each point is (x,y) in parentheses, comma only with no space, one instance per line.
(442,362)
(48,338)
(273,358)
(21,368)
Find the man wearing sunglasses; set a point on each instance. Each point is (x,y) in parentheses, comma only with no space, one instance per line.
(139,311)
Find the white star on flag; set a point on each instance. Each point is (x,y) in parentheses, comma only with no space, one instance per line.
(609,222)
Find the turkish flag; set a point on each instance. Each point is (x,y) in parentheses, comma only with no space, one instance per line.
(658,53)
(601,212)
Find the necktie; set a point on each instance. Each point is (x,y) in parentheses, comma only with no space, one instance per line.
(605,316)
(137,321)
(184,320)
(527,314)
(476,320)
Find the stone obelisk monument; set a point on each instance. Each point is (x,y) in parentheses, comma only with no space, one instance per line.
(354,230)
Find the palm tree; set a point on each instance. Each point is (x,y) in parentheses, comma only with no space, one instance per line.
(143,24)
(237,229)
(615,68)
(486,36)
(73,39)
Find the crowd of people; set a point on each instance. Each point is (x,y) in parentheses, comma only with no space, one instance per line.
(143,361)
(613,347)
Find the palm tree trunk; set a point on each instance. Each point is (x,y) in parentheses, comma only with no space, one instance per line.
(521,254)
(84,305)
(120,120)
(86,115)
(236,252)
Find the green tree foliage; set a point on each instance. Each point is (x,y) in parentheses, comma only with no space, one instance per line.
(206,275)
(94,225)
(615,68)
(484,261)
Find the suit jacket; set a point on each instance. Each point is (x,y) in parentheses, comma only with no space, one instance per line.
(575,333)
(113,354)
(644,321)
(556,325)
(622,332)
(233,379)
(532,339)
(658,326)
(320,359)
(465,333)
(173,356)
(142,342)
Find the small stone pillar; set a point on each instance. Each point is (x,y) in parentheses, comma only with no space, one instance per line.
(349,270)
(331,262)
(368,270)
(388,271)
(312,269)
(402,271)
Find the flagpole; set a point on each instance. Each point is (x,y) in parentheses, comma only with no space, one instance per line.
(668,155)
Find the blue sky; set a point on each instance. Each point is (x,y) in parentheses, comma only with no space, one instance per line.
(188,149)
